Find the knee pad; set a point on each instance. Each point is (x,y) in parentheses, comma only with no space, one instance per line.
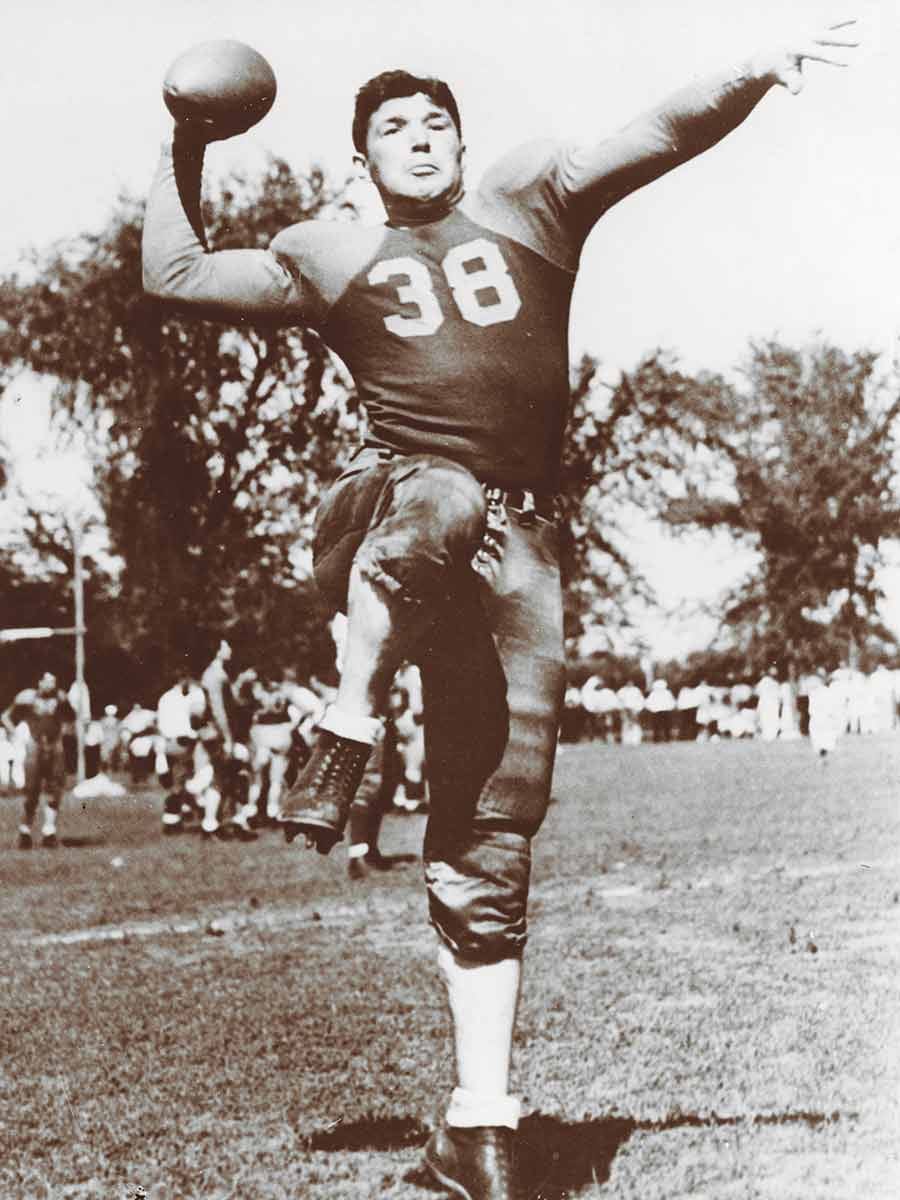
(478,892)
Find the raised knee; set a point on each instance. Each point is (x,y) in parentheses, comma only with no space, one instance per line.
(478,895)
(433,526)
(448,495)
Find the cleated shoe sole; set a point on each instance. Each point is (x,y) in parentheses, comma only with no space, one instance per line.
(318,805)
(317,833)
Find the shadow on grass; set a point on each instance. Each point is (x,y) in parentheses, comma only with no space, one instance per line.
(81,843)
(558,1158)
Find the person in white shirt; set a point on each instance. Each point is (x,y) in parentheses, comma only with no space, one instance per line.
(603,707)
(177,714)
(686,721)
(660,707)
(138,735)
(768,706)
(827,714)
(882,706)
(631,706)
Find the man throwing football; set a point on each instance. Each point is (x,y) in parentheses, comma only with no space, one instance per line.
(439,539)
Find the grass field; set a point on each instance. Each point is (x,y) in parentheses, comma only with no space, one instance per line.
(710,1010)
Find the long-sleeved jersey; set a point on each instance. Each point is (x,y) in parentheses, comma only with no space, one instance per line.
(455,330)
(45,714)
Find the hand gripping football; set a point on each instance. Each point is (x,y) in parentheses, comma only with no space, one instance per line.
(219,88)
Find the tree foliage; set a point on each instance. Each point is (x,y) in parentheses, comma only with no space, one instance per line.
(798,460)
(623,441)
(213,441)
(209,445)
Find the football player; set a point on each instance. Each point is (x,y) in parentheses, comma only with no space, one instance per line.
(440,538)
(231,704)
(46,711)
(178,714)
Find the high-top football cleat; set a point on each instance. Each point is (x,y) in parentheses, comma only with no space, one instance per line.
(318,804)
(475,1164)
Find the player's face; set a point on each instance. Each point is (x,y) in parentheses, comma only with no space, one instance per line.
(47,684)
(413,149)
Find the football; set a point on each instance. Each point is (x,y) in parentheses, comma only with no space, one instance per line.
(222,87)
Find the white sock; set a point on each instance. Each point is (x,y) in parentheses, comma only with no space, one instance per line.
(358,850)
(209,802)
(349,725)
(49,827)
(469,1109)
(23,828)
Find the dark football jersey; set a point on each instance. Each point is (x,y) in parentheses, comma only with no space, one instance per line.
(455,330)
(456,337)
(45,715)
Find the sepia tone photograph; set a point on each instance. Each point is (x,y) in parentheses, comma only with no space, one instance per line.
(450,601)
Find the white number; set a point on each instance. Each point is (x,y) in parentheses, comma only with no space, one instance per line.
(490,275)
(417,290)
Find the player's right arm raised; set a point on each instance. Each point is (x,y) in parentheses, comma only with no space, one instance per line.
(179,267)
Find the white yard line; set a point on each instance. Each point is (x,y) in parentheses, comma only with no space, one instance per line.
(228,922)
(388,910)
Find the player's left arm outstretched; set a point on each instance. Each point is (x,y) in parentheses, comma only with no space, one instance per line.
(700,115)
(689,122)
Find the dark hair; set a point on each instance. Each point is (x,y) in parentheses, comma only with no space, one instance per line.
(390,85)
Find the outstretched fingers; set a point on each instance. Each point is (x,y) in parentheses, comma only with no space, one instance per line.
(817,48)
(826,38)
(810,55)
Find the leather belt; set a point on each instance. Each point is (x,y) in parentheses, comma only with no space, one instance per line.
(523,500)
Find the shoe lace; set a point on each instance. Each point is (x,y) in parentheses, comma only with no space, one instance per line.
(339,765)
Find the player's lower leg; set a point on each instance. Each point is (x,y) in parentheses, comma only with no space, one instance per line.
(483,999)
(48,828)
(278,767)
(29,808)
(210,802)
(472,1154)
(381,632)
(247,814)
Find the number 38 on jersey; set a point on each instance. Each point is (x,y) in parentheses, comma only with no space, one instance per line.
(480,283)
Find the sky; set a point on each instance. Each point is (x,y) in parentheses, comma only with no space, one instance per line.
(789,228)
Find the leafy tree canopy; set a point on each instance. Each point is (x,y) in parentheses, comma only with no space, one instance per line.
(210,443)
(798,460)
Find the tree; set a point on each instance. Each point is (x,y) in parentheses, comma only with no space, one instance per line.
(622,441)
(213,441)
(798,460)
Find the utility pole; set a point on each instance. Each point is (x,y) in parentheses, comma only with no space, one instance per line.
(78,589)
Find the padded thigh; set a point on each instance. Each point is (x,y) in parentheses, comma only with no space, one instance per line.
(493,675)
(406,521)
(493,680)
(478,890)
